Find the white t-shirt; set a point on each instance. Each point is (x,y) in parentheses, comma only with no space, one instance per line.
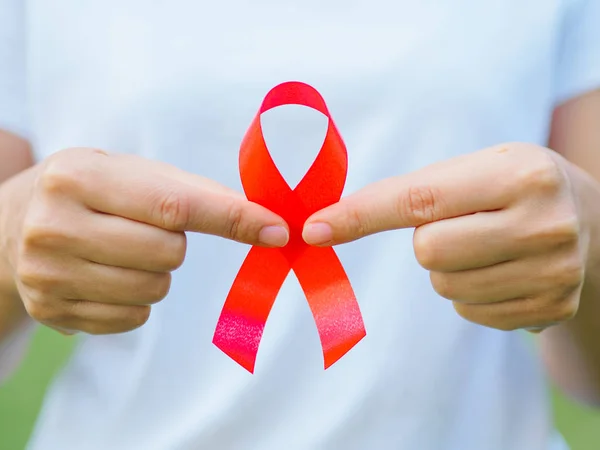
(408,83)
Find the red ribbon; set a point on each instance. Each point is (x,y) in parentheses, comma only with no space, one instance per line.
(319,271)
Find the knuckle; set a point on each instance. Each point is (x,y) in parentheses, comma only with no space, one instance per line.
(235,215)
(159,288)
(420,205)
(568,230)
(173,210)
(138,316)
(357,222)
(477,314)
(565,310)
(442,284)
(38,311)
(565,231)
(131,318)
(26,273)
(40,233)
(54,177)
(570,276)
(466,311)
(62,172)
(43,310)
(542,174)
(32,275)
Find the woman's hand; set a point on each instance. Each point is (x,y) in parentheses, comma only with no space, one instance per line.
(500,231)
(92,238)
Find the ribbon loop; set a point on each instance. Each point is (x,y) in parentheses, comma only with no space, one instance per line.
(319,271)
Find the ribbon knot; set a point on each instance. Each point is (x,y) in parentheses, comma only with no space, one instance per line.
(319,271)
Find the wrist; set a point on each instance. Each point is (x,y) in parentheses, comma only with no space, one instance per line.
(12,200)
(7,284)
(586,191)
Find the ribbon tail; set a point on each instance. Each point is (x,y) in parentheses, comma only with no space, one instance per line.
(332,301)
(248,304)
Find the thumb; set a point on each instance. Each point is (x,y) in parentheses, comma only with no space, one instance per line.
(227,215)
(166,197)
(205,206)
(463,185)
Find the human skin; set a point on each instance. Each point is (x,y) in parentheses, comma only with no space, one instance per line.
(76,229)
(510,234)
(15,156)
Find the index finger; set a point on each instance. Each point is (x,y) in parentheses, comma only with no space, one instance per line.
(463,185)
(167,197)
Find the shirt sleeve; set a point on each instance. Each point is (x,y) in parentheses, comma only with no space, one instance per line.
(13,73)
(578,61)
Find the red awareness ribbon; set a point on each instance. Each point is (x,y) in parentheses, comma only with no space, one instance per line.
(318,269)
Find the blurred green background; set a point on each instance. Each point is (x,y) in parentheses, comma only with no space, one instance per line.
(20,398)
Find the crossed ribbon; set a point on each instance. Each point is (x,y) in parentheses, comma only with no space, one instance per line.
(318,269)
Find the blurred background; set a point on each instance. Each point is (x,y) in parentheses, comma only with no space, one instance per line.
(21,397)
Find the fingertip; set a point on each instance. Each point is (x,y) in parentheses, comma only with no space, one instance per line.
(535,330)
(274,236)
(318,234)
(66,332)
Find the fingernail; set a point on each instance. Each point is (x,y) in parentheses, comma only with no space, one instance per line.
(67,333)
(535,330)
(274,236)
(317,233)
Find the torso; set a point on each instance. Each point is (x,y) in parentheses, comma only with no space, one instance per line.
(408,83)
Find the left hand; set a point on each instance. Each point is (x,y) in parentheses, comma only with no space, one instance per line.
(500,231)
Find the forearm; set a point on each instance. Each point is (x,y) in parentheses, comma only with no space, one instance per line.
(12,312)
(16,156)
(572,350)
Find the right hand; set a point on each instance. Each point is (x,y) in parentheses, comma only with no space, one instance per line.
(92,238)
